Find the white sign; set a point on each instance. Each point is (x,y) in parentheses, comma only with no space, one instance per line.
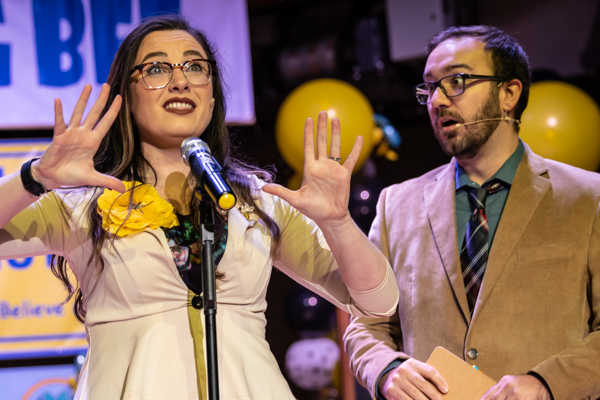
(52,48)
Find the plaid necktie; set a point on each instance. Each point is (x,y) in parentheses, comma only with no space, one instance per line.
(474,254)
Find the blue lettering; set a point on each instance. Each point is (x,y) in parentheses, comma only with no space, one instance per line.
(1,169)
(4,310)
(48,259)
(4,62)
(105,17)
(149,8)
(29,310)
(24,263)
(58,31)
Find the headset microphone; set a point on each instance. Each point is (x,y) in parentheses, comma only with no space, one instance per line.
(505,118)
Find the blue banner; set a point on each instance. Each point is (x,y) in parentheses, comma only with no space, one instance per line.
(52,48)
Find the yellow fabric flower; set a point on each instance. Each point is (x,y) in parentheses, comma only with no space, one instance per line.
(139,208)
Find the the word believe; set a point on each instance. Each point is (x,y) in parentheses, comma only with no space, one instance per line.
(28,309)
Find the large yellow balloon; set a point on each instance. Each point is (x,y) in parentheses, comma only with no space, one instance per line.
(562,122)
(341,100)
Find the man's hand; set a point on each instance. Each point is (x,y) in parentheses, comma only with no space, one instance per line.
(416,380)
(518,387)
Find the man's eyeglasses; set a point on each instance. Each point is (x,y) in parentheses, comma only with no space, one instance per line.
(451,85)
(157,75)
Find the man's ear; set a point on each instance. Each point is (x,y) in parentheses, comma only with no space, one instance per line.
(511,94)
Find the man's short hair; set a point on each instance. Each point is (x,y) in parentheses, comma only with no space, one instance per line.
(508,58)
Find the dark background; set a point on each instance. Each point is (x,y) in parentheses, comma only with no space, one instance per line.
(562,39)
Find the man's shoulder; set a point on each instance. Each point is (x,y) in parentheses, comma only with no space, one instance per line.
(567,169)
(415,185)
(573,178)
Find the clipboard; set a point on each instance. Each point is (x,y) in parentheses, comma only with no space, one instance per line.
(464,381)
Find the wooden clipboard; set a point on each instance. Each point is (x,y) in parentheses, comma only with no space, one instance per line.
(464,381)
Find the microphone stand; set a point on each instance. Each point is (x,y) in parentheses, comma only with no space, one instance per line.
(209,292)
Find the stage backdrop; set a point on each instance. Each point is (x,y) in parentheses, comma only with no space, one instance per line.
(33,323)
(52,48)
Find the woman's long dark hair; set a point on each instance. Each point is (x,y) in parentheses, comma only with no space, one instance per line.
(120,152)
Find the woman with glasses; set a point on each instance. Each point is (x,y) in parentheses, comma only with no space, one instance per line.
(113,198)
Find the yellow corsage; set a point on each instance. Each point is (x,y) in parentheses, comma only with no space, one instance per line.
(139,208)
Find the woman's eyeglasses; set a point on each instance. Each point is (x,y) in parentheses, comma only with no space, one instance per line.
(157,75)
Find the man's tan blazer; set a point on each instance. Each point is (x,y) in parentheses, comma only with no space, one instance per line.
(538,309)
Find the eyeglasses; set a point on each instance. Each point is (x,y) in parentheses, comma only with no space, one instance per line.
(157,75)
(451,85)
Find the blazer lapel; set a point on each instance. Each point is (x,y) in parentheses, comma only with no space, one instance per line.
(440,205)
(527,191)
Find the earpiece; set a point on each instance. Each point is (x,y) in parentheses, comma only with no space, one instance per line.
(509,119)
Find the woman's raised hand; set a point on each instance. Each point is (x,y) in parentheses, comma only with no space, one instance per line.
(325,189)
(69,160)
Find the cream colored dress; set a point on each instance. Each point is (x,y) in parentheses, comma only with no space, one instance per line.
(140,328)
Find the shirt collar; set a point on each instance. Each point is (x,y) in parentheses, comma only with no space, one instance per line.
(506,173)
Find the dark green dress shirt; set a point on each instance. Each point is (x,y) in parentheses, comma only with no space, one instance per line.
(494,203)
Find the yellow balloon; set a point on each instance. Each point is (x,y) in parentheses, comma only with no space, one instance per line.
(562,123)
(295,182)
(341,100)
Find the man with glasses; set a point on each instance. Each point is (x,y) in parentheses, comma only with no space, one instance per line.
(497,254)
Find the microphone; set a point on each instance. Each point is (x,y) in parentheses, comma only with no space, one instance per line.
(196,154)
(505,118)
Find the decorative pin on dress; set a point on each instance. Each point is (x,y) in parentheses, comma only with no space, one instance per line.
(246,210)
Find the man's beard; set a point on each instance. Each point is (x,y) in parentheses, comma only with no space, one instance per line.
(474,136)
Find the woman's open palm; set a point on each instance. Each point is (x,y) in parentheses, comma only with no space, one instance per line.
(68,161)
(325,189)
